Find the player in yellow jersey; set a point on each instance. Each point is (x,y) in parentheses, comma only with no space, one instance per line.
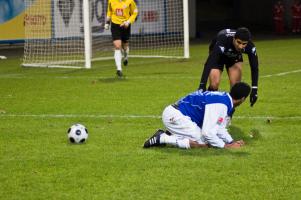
(121,14)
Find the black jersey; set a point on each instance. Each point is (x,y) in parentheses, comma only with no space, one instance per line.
(222,52)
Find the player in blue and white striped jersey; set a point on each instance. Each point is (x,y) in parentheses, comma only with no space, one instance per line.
(200,119)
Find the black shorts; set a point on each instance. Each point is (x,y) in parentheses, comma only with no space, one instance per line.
(120,33)
(228,62)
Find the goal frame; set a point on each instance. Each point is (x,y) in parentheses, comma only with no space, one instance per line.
(88,42)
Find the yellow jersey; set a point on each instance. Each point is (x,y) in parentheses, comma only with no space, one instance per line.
(120,11)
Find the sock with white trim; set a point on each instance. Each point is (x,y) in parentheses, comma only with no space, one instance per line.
(126,52)
(182,143)
(118,58)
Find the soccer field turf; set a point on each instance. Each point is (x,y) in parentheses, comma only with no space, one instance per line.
(38,105)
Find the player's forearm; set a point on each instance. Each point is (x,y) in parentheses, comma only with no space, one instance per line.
(214,141)
(235,144)
(133,16)
(254,74)
(204,77)
(254,70)
(109,13)
(224,135)
(215,114)
(194,144)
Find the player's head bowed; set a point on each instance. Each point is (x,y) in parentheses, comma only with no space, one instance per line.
(240,90)
(243,34)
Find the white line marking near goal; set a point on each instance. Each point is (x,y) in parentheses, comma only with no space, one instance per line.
(22,76)
(269,117)
(25,76)
(78,116)
(133,116)
(281,74)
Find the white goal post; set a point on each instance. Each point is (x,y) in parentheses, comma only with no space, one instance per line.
(70,33)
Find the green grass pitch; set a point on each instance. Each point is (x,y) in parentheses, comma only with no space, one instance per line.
(37,106)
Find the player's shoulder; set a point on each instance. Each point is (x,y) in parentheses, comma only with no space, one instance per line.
(227,32)
(218,97)
(225,35)
(250,48)
(219,94)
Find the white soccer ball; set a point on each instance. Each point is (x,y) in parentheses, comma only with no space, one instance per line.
(77,133)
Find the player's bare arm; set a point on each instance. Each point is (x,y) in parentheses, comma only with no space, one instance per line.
(235,145)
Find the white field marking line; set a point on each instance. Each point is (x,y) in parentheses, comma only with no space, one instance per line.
(78,115)
(8,96)
(268,117)
(131,116)
(281,74)
(22,76)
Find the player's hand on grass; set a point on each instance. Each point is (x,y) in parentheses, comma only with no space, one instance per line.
(253,96)
(235,145)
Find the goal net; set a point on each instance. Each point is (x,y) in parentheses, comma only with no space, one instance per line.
(70,33)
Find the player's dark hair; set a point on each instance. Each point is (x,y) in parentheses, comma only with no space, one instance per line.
(243,34)
(240,90)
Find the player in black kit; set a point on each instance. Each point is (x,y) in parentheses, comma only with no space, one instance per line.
(226,49)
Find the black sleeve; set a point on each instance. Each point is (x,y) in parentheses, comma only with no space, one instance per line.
(253,60)
(212,61)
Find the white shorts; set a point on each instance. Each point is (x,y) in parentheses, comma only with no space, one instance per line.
(181,125)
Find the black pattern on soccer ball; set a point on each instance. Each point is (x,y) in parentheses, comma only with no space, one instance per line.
(72,140)
(78,132)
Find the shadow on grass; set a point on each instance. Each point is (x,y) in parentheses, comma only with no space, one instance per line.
(112,79)
(71,71)
(236,133)
(204,152)
(161,73)
(252,136)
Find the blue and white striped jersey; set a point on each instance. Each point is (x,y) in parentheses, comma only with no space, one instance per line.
(210,111)
(193,105)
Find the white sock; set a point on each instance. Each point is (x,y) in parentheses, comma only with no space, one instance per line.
(182,143)
(118,58)
(168,139)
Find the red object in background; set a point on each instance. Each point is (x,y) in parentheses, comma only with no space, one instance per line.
(296,17)
(150,16)
(278,15)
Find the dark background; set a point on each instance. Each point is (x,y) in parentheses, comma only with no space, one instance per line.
(207,16)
